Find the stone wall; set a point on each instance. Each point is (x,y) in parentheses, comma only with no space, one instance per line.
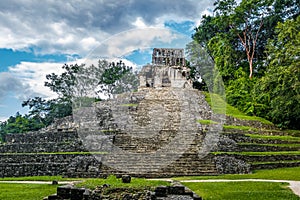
(41,137)
(164,76)
(42,141)
(174,192)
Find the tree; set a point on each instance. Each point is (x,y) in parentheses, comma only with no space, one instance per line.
(117,78)
(236,37)
(247,22)
(279,89)
(65,85)
(19,124)
(80,86)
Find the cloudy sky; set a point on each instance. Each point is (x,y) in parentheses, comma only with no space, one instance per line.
(38,37)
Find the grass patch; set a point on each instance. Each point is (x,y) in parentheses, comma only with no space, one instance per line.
(130,105)
(136,183)
(276,162)
(290,173)
(221,107)
(273,137)
(117,187)
(242,128)
(15,191)
(206,121)
(242,190)
(259,153)
(271,145)
(295,133)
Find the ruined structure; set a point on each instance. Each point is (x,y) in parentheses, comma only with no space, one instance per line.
(168,57)
(152,132)
(168,69)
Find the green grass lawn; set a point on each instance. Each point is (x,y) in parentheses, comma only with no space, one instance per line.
(9,191)
(243,190)
(291,173)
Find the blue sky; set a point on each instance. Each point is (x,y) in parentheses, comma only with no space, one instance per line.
(38,37)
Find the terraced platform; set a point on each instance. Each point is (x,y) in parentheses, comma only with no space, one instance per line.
(96,150)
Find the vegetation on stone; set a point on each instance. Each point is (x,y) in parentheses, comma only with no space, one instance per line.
(274,137)
(206,121)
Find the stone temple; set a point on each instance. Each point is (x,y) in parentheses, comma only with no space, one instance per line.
(152,132)
(168,69)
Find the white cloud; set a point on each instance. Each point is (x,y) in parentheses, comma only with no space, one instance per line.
(33,75)
(139,23)
(74,27)
(125,42)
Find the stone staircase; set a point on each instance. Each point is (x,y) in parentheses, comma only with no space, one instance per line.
(151,133)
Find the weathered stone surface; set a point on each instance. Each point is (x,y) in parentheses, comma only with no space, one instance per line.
(230,165)
(161,193)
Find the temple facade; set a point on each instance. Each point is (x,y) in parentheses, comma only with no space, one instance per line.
(168,69)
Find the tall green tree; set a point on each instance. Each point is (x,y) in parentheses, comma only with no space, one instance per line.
(279,89)
(236,37)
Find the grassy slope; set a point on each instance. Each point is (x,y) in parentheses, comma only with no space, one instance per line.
(243,190)
(219,106)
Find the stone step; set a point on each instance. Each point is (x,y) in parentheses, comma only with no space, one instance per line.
(67,146)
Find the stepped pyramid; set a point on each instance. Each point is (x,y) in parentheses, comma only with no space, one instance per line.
(153,132)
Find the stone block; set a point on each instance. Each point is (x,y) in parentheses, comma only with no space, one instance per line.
(126,179)
(161,191)
(176,190)
(64,191)
(77,193)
